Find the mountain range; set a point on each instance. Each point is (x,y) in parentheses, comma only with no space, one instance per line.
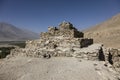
(108,32)
(9,32)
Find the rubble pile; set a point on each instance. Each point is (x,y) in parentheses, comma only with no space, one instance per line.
(62,41)
(114,58)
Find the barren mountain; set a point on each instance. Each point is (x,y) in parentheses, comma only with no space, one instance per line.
(107,32)
(9,32)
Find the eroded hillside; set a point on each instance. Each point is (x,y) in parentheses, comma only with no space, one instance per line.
(107,32)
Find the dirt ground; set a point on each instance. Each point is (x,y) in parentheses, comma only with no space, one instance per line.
(55,68)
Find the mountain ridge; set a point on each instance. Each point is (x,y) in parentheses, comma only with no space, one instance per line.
(9,32)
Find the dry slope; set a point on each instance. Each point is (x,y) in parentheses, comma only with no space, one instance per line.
(107,32)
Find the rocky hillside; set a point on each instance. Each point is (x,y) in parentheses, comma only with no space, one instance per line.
(107,32)
(9,32)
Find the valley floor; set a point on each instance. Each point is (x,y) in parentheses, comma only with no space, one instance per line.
(55,68)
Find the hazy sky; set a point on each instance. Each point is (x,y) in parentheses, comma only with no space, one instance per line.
(37,15)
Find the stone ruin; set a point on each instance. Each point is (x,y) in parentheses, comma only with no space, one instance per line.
(63,40)
(66,40)
(113,57)
(64,36)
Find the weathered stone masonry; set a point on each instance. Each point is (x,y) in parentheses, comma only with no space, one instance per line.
(58,41)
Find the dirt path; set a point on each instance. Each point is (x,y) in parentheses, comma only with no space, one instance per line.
(59,68)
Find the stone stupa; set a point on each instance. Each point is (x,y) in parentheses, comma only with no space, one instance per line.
(58,41)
